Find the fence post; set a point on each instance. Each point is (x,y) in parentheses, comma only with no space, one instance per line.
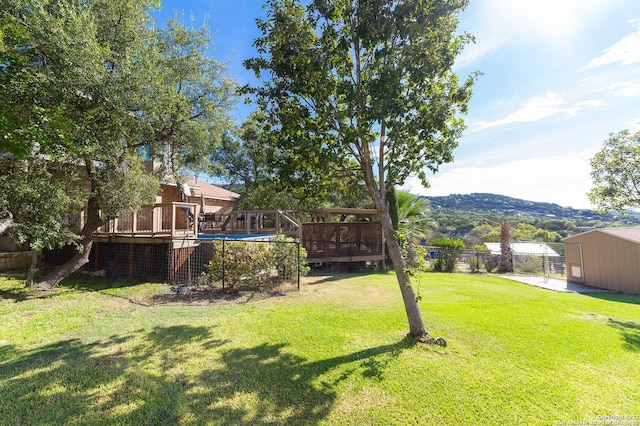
(223,264)
(298,244)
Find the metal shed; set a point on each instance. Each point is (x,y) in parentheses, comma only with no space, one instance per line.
(606,258)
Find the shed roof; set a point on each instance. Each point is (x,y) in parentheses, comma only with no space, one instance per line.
(534,248)
(629,234)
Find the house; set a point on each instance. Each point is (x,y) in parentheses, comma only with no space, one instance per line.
(210,198)
(606,258)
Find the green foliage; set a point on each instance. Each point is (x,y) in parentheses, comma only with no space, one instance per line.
(288,257)
(246,266)
(491,262)
(413,253)
(256,265)
(615,172)
(473,217)
(449,250)
(413,214)
(363,91)
(83,87)
(447,243)
(529,264)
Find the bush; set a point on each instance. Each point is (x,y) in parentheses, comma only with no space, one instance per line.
(244,265)
(530,264)
(255,265)
(475,263)
(449,250)
(285,258)
(491,262)
(477,258)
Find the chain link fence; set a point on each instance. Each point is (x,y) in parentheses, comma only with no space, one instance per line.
(548,260)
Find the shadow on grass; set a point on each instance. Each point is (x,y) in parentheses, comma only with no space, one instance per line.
(18,292)
(17,295)
(322,277)
(85,282)
(147,377)
(630,332)
(616,297)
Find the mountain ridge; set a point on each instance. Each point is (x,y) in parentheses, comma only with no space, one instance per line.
(495,204)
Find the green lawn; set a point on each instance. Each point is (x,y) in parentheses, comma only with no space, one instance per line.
(333,353)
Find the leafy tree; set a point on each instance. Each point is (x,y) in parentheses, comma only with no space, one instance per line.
(84,86)
(615,172)
(366,84)
(248,162)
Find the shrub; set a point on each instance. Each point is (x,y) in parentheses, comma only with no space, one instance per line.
(449,250)
(491,262)
(285,258)
(530,264)
(255,265)
(476,259)
(244,265)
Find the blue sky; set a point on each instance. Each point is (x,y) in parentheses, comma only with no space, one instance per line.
(558,77)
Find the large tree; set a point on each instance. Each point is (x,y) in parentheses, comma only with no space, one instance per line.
(615,172)
(367,84)
(84,86)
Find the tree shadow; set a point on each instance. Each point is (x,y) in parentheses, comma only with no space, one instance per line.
(290,389)
(616,297)
(630,332)
(86,282)
(142,378)
(17,295)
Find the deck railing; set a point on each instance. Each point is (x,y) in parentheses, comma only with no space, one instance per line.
(165,219)
(185,220)
(250,222)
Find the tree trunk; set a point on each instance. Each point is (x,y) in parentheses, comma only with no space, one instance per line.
(417,329)
(60,272)
(33,267)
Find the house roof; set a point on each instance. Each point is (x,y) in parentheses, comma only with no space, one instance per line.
(534,248)
(211,191)
(629,234)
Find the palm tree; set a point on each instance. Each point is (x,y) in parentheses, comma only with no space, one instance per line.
(413,215)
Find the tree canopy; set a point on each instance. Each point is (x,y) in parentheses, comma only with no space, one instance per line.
(85,87)
(365,89)
(615,173)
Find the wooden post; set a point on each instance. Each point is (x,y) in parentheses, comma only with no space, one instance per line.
(134,224)
(173,219)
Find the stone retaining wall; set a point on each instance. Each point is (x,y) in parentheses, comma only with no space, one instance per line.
(15,260)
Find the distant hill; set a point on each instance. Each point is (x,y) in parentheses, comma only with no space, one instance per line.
(500,205)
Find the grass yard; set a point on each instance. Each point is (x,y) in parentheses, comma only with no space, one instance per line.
(333,353)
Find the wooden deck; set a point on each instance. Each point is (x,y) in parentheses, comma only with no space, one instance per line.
(185,220)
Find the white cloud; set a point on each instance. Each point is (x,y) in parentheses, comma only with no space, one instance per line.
(590,103)
(536,109)
(628,88)
(549,20)
(625,52)
(564,180)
